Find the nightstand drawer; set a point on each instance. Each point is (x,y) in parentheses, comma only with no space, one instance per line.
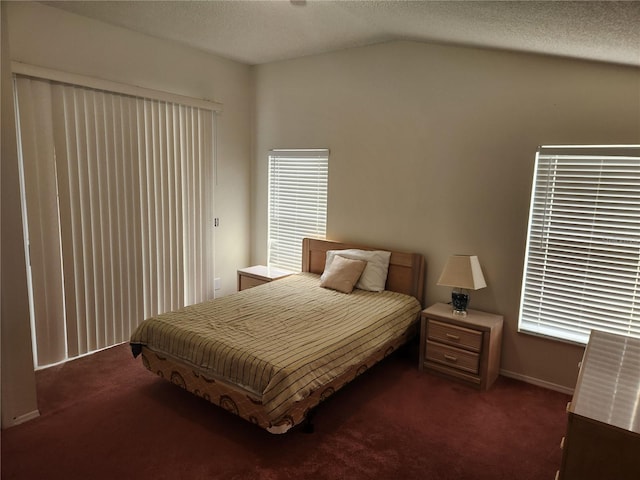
(454,335)
(453,357)
(248,282)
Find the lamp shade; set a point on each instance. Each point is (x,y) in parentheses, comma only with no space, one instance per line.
(462,271)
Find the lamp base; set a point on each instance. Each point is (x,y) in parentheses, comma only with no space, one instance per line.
(459,300)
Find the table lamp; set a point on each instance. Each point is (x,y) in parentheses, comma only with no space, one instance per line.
(462,272)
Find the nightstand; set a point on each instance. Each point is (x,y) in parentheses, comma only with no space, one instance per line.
(259,274)
(465,348)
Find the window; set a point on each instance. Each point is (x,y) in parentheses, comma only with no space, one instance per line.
(582,264)
(117,191)
(297,203)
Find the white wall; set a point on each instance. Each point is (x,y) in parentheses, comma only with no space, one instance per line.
(51,38)
(18,382)
(432,150)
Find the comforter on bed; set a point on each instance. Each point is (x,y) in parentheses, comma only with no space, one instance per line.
(281,340)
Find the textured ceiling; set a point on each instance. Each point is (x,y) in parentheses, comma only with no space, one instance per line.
(256,32)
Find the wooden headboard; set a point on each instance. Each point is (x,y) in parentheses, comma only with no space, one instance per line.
(406,270)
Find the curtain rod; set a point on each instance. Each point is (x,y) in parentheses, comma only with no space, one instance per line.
(108,85)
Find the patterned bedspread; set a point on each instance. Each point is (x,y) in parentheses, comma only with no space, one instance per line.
(281,340)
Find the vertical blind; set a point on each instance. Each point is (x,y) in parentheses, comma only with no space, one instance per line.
(119,205)
(297,203)
(582,266)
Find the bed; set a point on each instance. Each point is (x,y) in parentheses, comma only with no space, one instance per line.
(272,353)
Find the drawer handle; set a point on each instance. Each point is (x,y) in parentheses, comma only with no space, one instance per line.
(562,444)
(450,358)
(451,336)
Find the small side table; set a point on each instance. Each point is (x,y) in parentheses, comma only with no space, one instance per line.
(259,274)
(466,348)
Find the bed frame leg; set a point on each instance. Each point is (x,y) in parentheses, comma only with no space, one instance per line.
(307,424)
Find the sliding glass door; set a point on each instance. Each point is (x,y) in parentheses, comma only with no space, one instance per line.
(118,196)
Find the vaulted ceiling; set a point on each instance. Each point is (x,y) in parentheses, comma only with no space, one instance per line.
(256,32)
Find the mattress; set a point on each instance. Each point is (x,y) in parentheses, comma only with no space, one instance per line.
(280,341)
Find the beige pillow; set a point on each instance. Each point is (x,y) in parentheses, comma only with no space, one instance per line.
(343,273)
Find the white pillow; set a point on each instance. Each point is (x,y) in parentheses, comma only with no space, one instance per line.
(374,276)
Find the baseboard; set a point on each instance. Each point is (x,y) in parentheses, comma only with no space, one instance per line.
(537,382)
(21,419)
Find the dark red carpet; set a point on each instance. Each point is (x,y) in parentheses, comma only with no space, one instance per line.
(106,417)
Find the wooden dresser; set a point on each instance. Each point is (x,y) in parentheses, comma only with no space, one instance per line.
(603,425)
(465,348)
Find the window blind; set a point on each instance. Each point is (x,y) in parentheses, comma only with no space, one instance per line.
(119,203)
(582,265)
(297,203)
